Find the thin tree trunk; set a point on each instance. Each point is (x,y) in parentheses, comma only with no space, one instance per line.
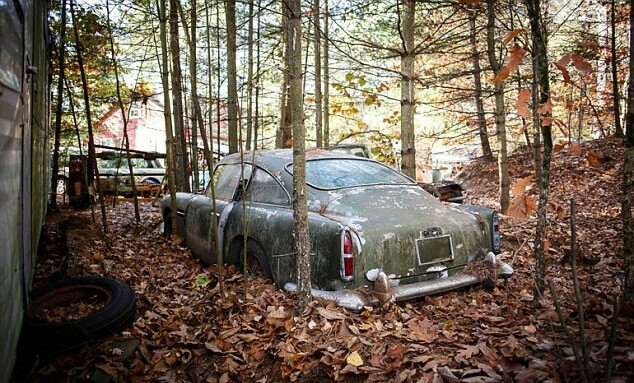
(196,118)
(58,110)
(408,145)
(232,88)
(317,52)
(628,177)
(180,147)
(326,101)
(256,126)
(475,57)
(137,215)
(209,151)
(284,136)
(92,156)
(500,114)
(300,204)
(167,112)
(615,79)
(540,60)
(250,77)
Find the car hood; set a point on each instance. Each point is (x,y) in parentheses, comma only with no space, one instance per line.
(404,231)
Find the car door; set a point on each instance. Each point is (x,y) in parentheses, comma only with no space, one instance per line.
(268,213)
(199,234)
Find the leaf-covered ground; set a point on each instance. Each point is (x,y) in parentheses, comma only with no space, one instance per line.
(186,331)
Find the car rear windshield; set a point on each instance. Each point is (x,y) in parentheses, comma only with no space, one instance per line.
(343,173)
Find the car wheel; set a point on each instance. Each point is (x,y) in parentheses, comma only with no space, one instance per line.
(57,320)
(257,263)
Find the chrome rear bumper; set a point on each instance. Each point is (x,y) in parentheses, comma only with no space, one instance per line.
(384,291)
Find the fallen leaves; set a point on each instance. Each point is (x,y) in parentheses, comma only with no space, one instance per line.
(186,331)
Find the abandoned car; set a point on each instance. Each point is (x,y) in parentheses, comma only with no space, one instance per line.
(370,226)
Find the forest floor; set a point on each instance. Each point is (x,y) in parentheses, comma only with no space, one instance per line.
(186,332)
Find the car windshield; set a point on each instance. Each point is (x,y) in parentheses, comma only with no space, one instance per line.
(343,173)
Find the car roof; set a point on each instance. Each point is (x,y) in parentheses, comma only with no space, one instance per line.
(279,158)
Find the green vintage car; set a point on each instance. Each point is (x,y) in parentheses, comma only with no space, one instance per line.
(370,226)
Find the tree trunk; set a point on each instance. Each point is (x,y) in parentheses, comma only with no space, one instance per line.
(628,176)
(195,108)
(540,60)
(408,145)
(137,215)
(326,98)
(318,96)
(58,110)
(475,57)
(250,78)
(500,114)
(256,125)
(208,147)
(284,136)
(300,204)
(167,111)
(92,157)
(180,147)
(615,79)
(232,88)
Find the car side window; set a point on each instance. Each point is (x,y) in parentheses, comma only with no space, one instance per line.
(226,181)
(264,188)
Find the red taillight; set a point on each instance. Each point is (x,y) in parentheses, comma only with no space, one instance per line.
(347,242)
(347,259)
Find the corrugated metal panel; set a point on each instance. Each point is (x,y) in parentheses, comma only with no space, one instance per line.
(11,133)
(23,160)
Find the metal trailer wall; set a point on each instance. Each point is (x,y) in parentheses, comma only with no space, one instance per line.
(24,157)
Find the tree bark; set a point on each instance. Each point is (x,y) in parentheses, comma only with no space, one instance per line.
(475,57)
(92,157)
(284,136)
(500,114)
(615,80)
(250,78)
(126,140)
(232,88)
(193,79)
(317,52)
(628,177)
(326,96)
(167,111)
(300,204)
(540,60)
(208,147)
(180,147)
(58,110)
(408,145)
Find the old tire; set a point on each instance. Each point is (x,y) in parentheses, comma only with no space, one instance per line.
(117,313)
(257,263)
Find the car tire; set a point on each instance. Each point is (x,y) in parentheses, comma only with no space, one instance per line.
(117,313)
(257,263)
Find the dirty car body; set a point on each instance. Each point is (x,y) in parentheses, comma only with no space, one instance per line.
(370,226)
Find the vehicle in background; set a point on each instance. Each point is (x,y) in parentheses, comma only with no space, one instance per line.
(358,150)
(444,190)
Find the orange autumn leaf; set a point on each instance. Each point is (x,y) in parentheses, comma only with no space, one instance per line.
(576,149)
(503,75)
(520,185)
(511,35)
(522,103)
